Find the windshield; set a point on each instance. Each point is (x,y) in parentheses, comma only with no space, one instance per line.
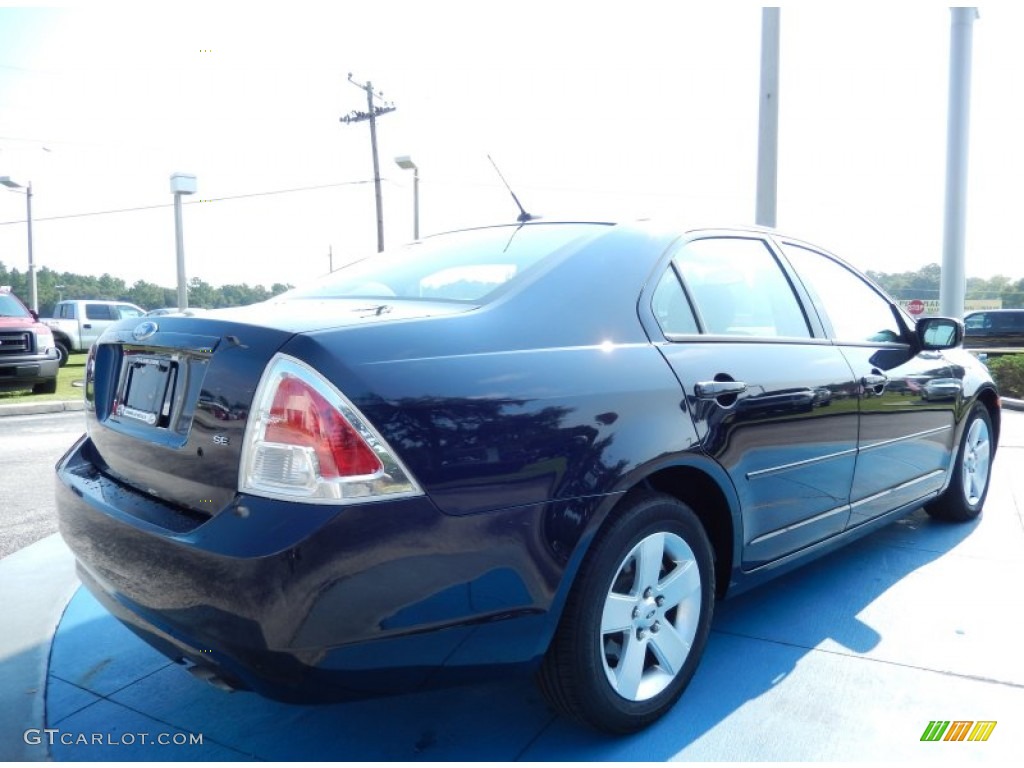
(11,307)
(461,266)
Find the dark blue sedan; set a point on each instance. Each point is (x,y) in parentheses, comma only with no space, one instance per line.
(543,447)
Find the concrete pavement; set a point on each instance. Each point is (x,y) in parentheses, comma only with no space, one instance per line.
(849,658)
(40,406)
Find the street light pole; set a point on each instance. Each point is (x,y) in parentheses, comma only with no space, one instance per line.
(181,184)
(405,163)
(33,292)
(33,289)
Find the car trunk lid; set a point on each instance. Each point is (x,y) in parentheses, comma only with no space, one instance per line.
(168,399)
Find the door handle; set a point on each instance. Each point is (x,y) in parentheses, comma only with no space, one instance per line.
(87,325)
(709,390)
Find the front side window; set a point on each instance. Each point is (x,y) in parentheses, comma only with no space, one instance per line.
(976,322)
(740,289)
(857,311)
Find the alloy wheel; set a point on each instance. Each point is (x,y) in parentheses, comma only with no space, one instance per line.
(977,456)
(650,616)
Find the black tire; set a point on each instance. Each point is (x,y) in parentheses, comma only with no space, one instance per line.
(45,388)
(63,351)
(622,680)
(963,499)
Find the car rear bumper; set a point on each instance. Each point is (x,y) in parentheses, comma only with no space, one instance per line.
(313,603)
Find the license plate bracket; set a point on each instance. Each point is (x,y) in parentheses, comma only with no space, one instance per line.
(147,390)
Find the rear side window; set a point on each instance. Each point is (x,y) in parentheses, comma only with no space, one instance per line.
(1006,321)
(671,307)
(99,312)
(126,311)
(740,289)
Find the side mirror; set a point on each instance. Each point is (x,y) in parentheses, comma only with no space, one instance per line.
(939,332)
(35,315)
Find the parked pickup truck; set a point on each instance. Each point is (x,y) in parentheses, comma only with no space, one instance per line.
(27,354)
(76,324)
(994,332)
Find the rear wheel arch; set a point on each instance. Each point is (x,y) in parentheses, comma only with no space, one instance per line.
(696,481)
(706,497)
(707,492)
(636,621)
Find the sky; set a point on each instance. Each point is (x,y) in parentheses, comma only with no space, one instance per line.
(598,110)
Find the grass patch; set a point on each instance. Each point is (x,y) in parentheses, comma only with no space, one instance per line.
(73,371)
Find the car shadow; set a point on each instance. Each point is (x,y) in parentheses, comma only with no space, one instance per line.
(759,638)
(103,680)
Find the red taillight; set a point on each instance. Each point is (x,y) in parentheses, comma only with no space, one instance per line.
(305,441)
(300,416)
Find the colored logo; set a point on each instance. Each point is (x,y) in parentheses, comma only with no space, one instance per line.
(958,730)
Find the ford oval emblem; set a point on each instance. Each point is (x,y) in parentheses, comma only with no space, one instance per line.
(144,330)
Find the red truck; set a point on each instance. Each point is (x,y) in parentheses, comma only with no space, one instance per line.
(28,352)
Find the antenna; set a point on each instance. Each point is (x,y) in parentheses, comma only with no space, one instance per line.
(523,216)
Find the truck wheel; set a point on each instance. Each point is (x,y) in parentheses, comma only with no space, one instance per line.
(63,351)
(46,388)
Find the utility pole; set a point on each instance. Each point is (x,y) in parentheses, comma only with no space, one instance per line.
(330,258)
(371,114)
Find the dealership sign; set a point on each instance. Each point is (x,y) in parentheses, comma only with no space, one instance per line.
(926,307)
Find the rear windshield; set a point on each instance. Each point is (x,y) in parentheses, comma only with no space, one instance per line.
(460,266)
(11,307)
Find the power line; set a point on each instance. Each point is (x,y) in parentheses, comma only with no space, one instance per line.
(191,202)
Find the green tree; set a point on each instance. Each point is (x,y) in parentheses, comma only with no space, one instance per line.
(145,294)
(1013,295)
(150,295)
(922,284)
(202,294)
(980,288)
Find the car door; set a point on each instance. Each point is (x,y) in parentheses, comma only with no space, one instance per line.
(773,401)
(908,397)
